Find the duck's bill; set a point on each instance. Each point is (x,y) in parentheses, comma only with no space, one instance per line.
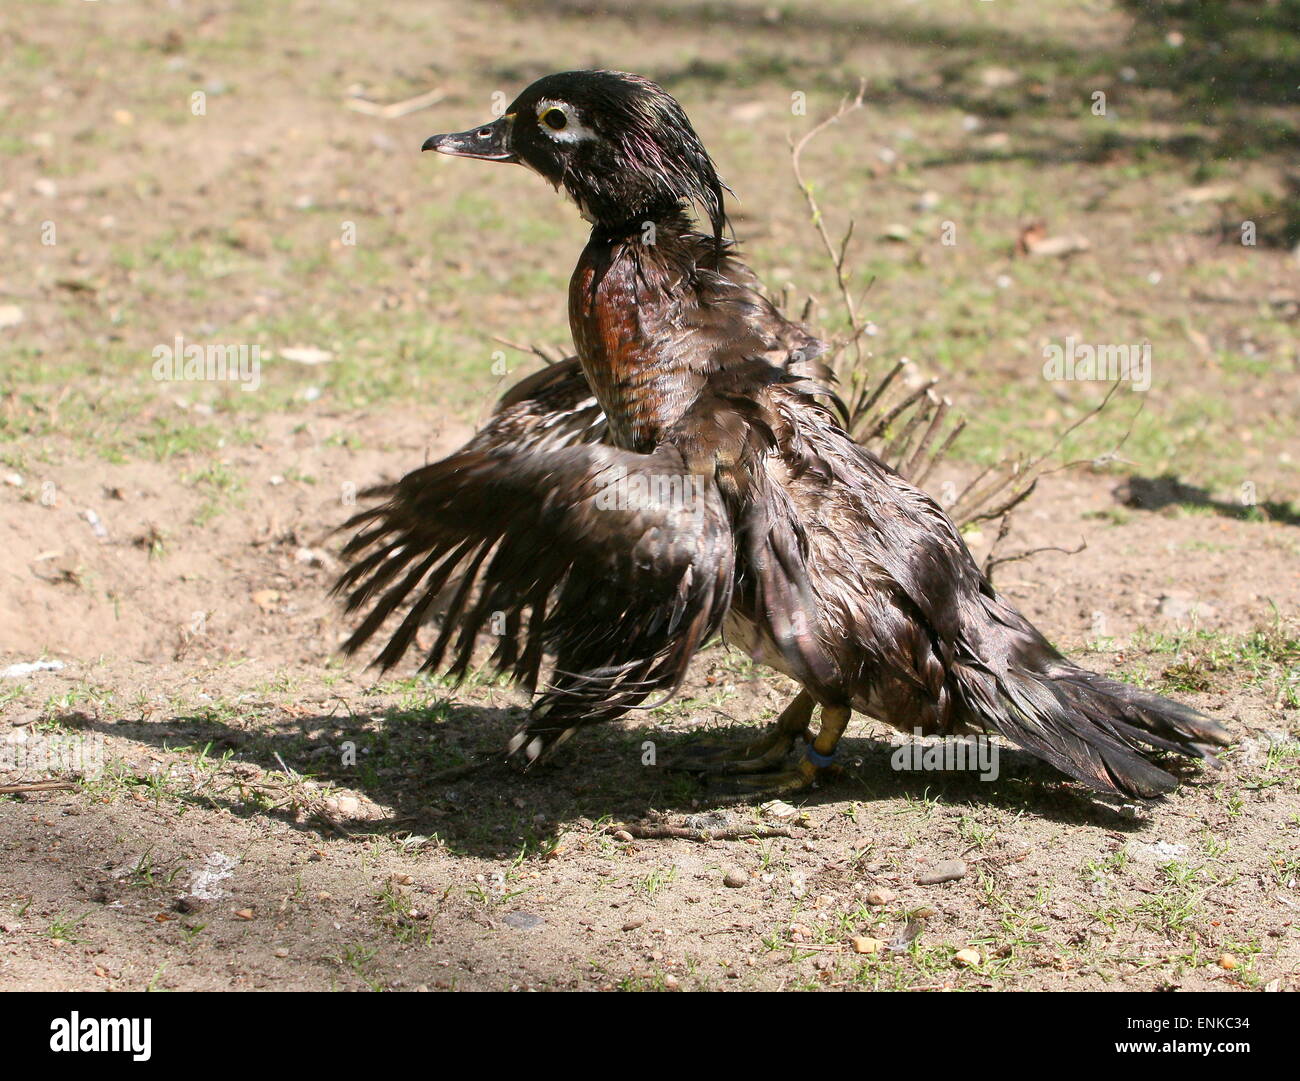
(491,142)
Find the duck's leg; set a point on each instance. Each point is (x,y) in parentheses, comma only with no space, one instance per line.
(818,762)
(757,756)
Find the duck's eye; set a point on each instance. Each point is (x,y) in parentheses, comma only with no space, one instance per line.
(555,119)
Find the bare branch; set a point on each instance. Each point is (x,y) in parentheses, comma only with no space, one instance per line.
(550,357)
(684,833)
(990,563)
(836,257)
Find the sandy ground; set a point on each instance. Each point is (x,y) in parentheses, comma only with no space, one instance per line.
(204,857)
(236,807)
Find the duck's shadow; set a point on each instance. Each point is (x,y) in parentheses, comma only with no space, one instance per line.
(407,765)
(1167,490)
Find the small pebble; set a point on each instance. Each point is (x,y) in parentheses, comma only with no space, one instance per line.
(967,957)
(943,871)
(713,820)
(1183,606)
(735,878)
(97,526)
(880,896)
(344,806)
(863,944)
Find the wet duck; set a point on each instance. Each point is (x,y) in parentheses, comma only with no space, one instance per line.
(688,473)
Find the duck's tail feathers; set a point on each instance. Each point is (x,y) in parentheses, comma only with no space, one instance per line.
(1095,729)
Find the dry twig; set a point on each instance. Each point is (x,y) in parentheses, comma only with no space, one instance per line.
(35,786)
(909,435)
(397,108)
(732,833)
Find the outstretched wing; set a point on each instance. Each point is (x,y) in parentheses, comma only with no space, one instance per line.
(619,564)
(553,407)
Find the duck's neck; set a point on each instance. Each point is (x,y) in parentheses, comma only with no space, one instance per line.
(631,304)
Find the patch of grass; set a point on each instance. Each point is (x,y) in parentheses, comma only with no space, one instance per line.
(400,917)
(220,486)
(655,881)
(1200,659)
(147,873)
(357,958)
(65,928)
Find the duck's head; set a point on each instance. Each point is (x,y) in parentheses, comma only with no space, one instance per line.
(619,144)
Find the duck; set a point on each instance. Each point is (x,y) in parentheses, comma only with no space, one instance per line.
(688,474)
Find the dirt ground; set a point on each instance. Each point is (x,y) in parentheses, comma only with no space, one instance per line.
(250,811)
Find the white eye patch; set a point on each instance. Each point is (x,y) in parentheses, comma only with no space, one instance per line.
(572,130)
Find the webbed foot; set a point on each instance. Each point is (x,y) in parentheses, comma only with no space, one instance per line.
(787,782)
(817,764)
(761,755)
